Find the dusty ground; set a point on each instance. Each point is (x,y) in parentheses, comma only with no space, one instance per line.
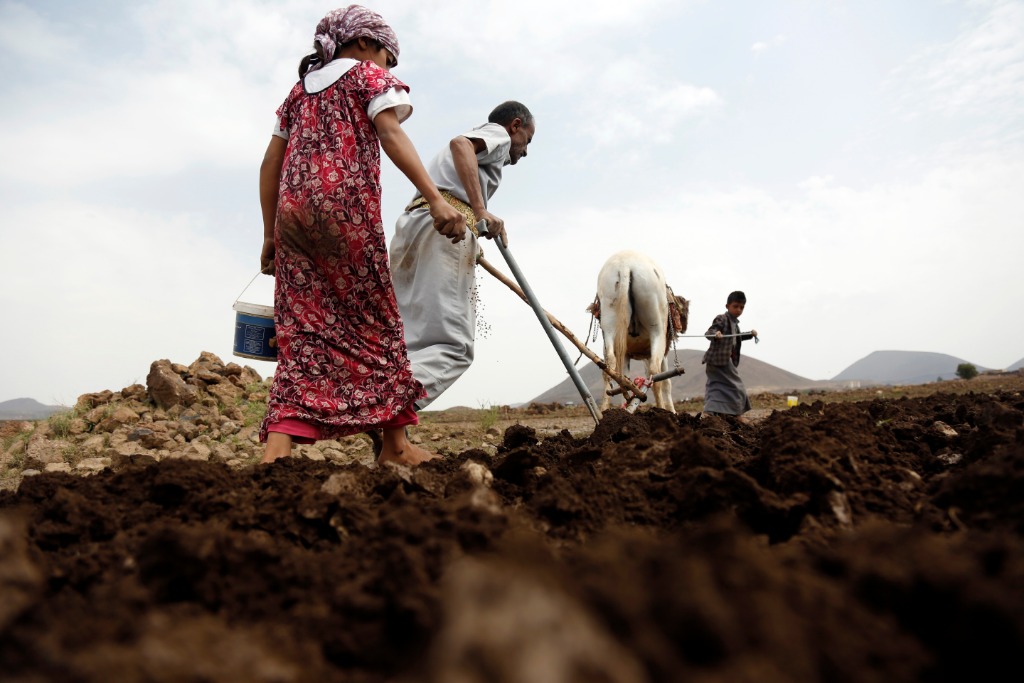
(871,540)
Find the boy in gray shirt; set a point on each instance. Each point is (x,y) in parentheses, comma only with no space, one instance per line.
(724,393)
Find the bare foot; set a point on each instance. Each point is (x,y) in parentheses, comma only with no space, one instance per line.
(279,445)
(407,454)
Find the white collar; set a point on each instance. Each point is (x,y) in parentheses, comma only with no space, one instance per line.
(324,77)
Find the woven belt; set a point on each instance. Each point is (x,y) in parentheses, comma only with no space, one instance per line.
(460,206)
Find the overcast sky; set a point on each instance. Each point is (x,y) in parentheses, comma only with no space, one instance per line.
(857,167)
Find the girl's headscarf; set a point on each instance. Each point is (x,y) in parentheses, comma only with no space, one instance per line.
(345,25)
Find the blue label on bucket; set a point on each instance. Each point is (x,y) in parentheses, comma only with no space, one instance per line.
(254,337)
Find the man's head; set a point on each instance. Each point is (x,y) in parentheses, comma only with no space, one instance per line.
(736,302)
(518,121)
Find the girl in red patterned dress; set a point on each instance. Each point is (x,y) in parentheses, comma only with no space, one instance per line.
(342,363)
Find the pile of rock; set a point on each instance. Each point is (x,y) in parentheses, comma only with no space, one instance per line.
(543,408)
(209,410)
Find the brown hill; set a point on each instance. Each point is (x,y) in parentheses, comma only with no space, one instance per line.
(26,409)
(757,375)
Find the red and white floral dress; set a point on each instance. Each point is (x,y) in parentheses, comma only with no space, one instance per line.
(342,361)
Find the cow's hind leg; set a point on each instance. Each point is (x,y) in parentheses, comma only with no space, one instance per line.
(608,326)
(665,390)
(662,390)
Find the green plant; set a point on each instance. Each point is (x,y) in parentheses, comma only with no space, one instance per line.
(252,459)
(19,454)
(253,412)
(60,423)
(9,441)
(72,454)
(253,403)
(107,411)
(17,462)
(488,416)
(256,391)
(966,371)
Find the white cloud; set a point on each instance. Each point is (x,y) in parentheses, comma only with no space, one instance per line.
(980,72)
(104,291)
(507,29)
(157,123)
(28,36)
(816,183)
(762,46)
(596,59)
(203,85)
(632,107)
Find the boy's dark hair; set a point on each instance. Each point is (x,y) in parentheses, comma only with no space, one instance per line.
(507,112)
(736,296)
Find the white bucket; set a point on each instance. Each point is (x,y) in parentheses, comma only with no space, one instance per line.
(254,332)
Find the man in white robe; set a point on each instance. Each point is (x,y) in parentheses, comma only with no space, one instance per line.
(434,279)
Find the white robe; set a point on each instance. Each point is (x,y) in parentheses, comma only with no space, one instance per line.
(434,279)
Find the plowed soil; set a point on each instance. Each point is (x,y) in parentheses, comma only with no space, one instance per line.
(878,540)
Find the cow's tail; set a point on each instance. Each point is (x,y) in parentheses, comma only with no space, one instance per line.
(624,315)
(634,330)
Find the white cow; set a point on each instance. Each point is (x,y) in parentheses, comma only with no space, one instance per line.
(633,308)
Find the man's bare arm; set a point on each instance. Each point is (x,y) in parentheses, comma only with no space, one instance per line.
(464,151)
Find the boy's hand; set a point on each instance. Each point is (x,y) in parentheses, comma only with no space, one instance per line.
(448,221)
(718,334)
(495,226)
(753,333)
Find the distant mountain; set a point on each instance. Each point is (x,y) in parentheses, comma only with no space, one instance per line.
(903,367)
(26,409)
(758,377)
(1017,366)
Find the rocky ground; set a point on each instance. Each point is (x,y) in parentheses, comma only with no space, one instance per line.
(855,537)
(211,411)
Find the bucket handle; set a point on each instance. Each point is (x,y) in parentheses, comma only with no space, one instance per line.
(258,273)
